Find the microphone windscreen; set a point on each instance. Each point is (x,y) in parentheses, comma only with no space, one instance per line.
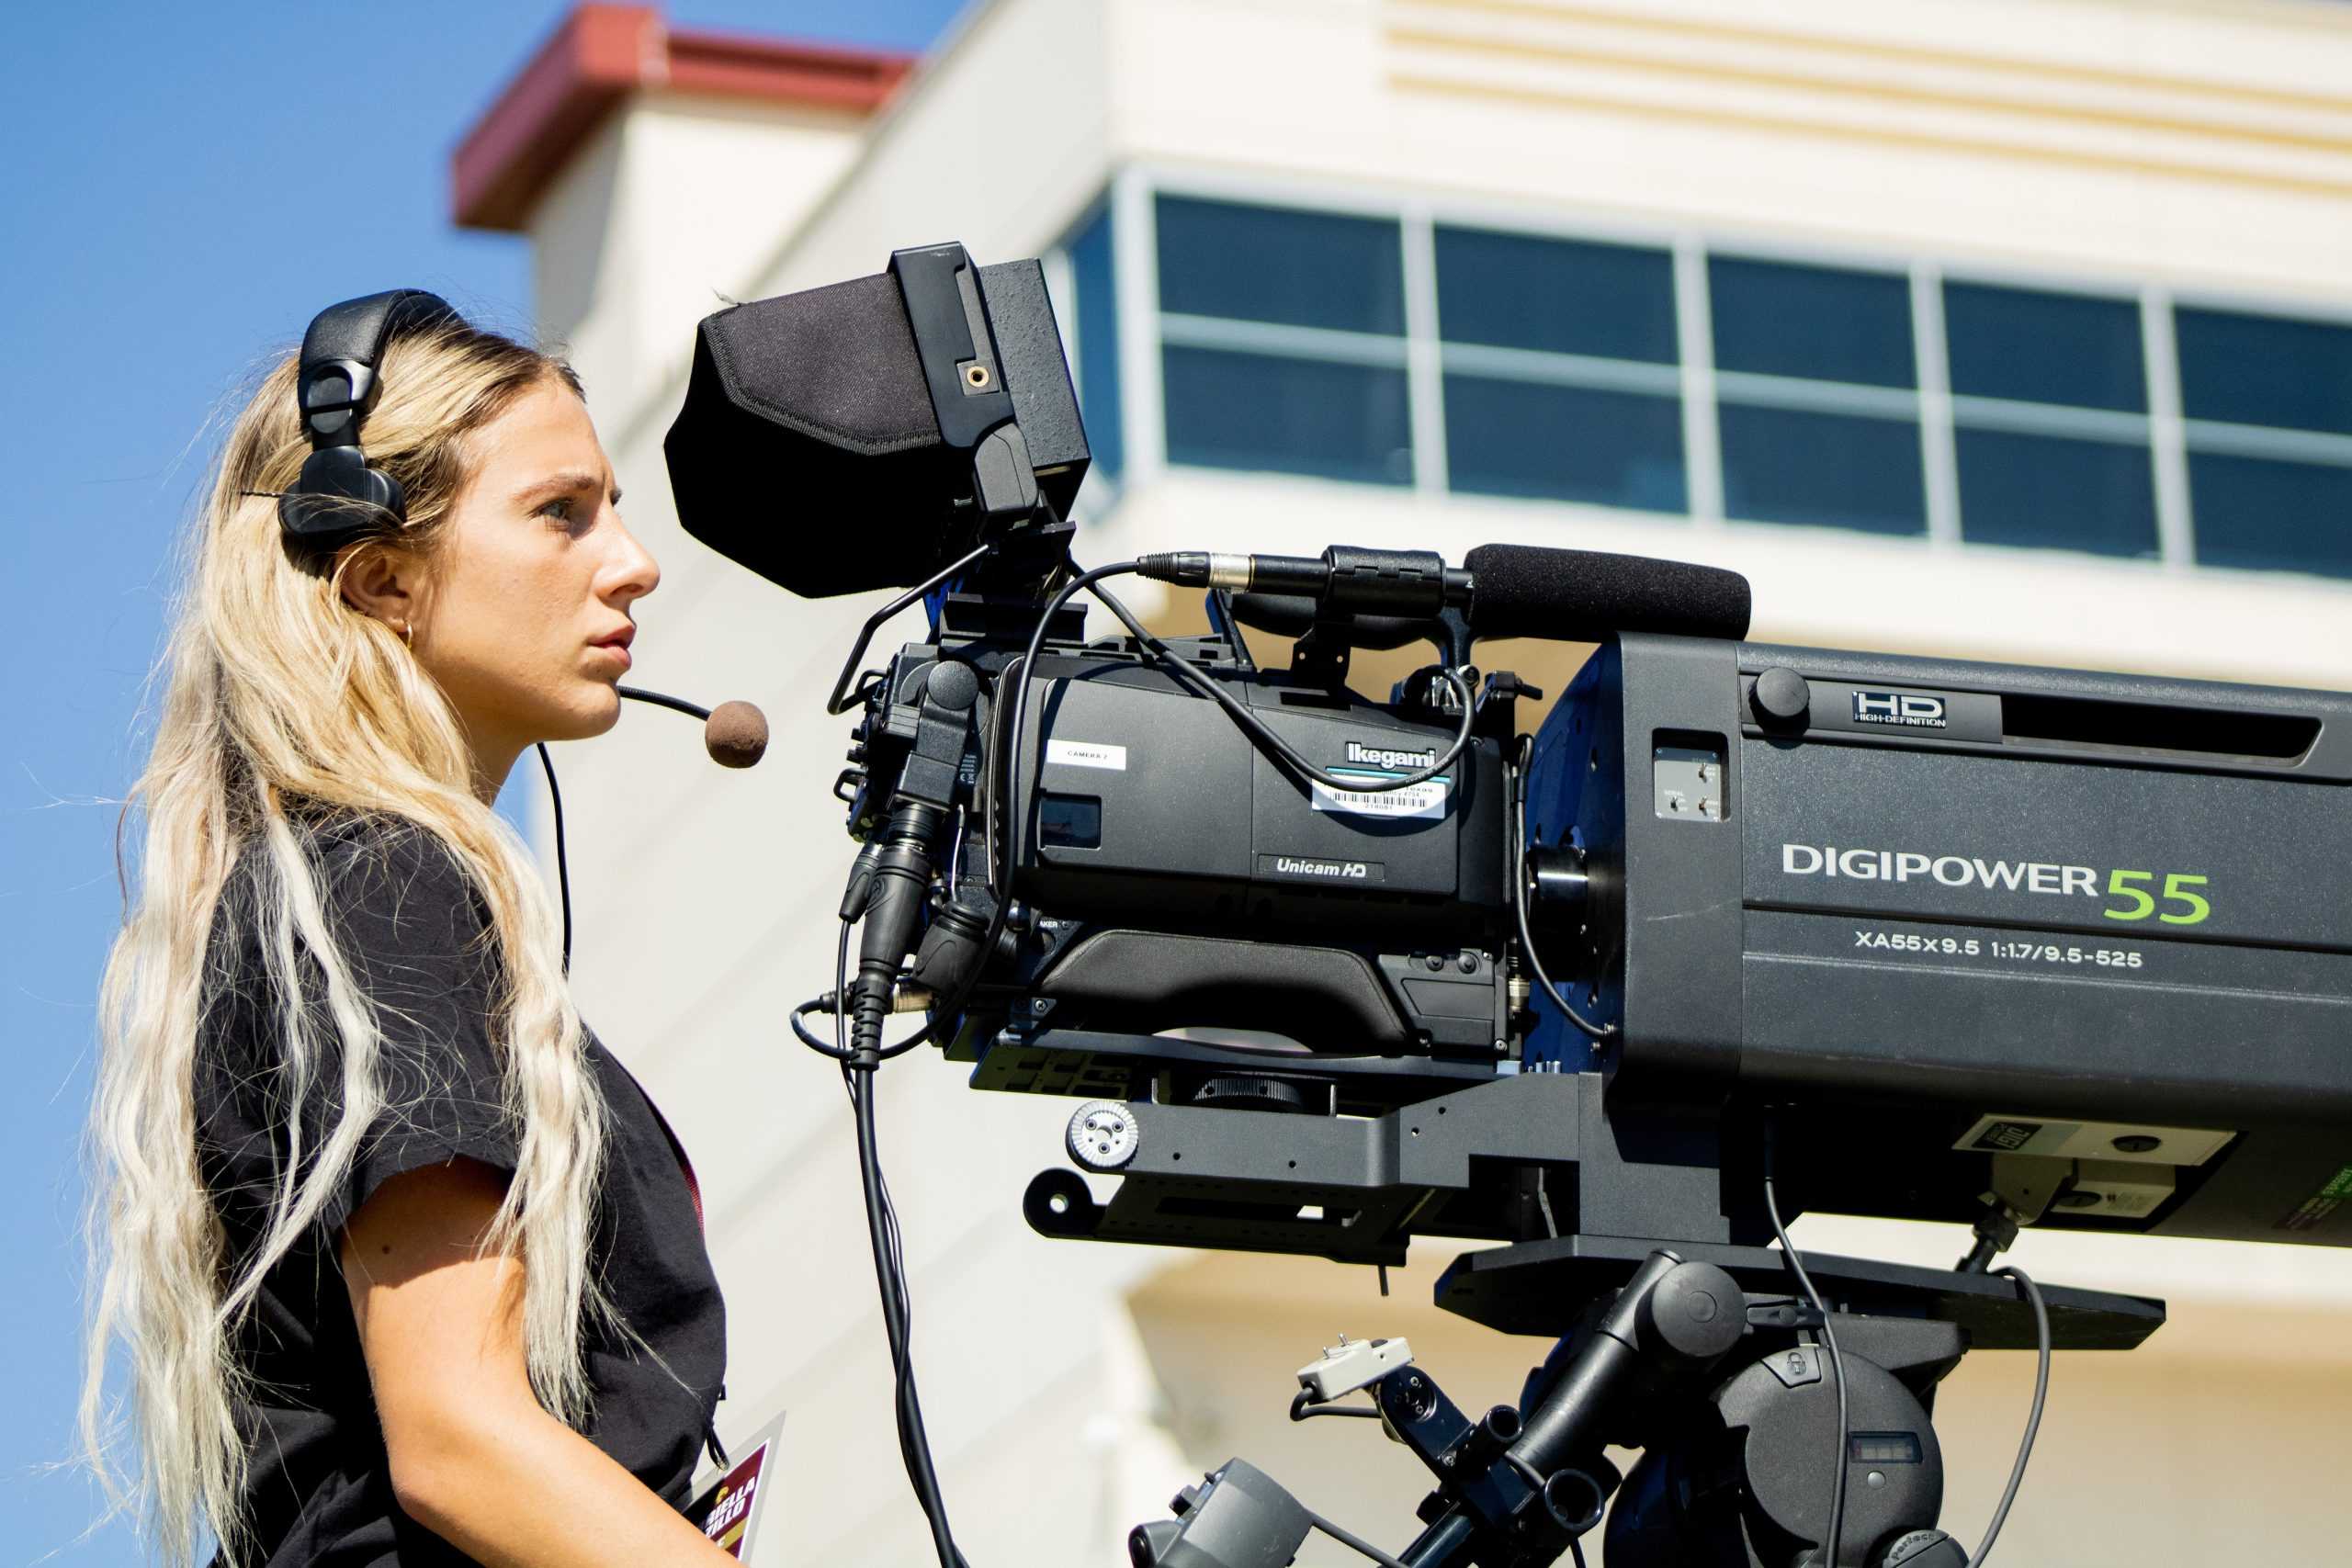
(736,735)
(1578,595)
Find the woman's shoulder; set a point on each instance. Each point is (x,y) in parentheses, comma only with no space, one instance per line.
(408,927)
(375,867)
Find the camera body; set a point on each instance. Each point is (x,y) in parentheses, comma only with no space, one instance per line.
(1184,907)
(1965,928)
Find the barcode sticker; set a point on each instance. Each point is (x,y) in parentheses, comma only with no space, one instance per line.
(1425,800)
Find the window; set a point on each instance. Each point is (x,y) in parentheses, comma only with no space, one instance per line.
(2075,350)
(1816,402)
(2031,472)
(1097,320)
(1559,378)
(1267,264)
(1813,322)
(2266,514)
(1282,341)
(2237,368)
(1557,295)
(2051,491)
(1554,443)
(2267,401)
(1287,415)
(1844,471)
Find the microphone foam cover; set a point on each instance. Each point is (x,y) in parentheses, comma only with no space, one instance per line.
(1577,595)
(736,735)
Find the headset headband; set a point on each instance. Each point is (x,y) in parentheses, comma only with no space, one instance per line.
(338,497)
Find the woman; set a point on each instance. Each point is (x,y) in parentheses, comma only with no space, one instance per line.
(404,1267)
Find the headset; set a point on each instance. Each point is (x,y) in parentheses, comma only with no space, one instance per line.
(339,497)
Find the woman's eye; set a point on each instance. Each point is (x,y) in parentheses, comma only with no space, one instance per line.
(561,510)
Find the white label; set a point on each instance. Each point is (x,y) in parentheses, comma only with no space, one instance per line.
(1426,799)
(1087,754)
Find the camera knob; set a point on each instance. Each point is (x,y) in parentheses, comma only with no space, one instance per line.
(1103,1135)
(1781,697)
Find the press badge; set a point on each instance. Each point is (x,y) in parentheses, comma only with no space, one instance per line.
(727,1507)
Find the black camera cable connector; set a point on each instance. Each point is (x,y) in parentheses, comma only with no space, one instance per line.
(1826,1557)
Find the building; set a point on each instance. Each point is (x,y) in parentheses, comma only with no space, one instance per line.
(2009,329)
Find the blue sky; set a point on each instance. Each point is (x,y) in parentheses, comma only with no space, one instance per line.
(184,186)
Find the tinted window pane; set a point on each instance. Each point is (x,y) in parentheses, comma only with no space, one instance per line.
(2264,370)
(1788,466)
(1098,346)
(1822,323)
(1268,264)
(2254,512)
(1299,416)
(1564,443)
(2049,490)
(1518,291)
(2045,348)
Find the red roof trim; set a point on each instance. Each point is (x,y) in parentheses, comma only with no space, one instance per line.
(599,56)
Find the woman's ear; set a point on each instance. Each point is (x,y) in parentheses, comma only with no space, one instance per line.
(383,582)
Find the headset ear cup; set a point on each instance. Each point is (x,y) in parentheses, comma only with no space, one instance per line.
(339,498)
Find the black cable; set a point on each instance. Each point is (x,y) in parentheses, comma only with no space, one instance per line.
(1518,902)
(662,700)
(2033,1421)
(1827,1557)
(1256,728)
(891,1280)
(562,868)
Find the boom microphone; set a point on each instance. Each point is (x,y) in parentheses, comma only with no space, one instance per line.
(735,733)
(1578,595)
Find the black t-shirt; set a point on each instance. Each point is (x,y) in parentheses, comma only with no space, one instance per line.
(320,1493)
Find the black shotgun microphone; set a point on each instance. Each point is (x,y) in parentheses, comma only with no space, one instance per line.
(1578,595)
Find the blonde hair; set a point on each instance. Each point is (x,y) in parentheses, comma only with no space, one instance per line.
(282,704)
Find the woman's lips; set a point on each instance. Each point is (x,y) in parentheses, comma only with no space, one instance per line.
(617,648)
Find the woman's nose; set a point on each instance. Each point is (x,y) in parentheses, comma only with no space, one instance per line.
(633,572)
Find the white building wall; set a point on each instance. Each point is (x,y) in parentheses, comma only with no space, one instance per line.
(2189,146)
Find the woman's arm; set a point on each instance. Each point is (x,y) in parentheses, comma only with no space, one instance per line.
(474,1458)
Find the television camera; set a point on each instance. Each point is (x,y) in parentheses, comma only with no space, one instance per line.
(1740,930)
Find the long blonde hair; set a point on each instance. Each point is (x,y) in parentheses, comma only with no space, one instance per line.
(281,703)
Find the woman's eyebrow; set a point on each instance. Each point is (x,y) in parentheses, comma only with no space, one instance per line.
(556,484)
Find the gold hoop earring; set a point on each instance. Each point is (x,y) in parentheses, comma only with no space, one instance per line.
(408,635)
